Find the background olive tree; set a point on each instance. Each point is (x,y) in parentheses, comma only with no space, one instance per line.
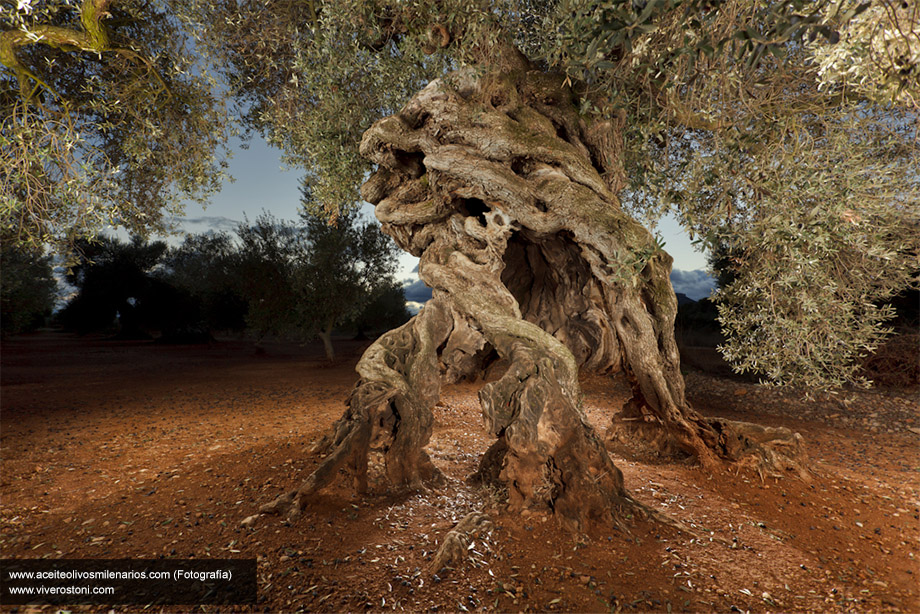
(121,290)
(343,269)
(207,266)
(300,280)
(266,271)
(275,277)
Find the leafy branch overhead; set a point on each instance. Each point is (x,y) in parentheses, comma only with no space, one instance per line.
(106,119)
(91,35)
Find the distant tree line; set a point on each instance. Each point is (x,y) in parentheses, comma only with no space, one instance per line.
(297,281)
(279,278)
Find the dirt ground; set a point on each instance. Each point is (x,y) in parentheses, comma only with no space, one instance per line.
(126,449)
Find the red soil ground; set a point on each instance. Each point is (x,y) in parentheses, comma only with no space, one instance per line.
(125,449)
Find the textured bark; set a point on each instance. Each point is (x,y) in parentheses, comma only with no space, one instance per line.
(389,410)
(508,197)
(490,182)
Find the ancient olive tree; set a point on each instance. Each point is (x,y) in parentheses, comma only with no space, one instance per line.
(519,148)
(104,119)
(515,148)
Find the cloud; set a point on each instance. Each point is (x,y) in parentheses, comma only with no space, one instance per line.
(417,292)
(210,222)
(695,284)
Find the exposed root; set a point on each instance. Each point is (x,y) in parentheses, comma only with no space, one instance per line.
(644,438)
(279,505)
(490,465)
(389,411)
(285,504)
(352,449)
(770,451)
(454,548)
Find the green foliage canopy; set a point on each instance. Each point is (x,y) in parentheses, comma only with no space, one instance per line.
(781,127)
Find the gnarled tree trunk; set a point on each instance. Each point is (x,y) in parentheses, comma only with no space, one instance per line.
(508,197)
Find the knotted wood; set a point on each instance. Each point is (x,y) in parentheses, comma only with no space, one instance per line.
(507,195)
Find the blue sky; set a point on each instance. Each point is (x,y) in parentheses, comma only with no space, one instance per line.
(262,185)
